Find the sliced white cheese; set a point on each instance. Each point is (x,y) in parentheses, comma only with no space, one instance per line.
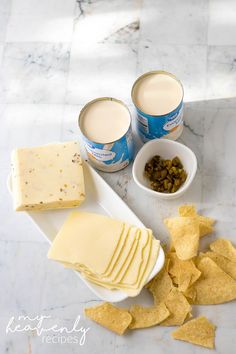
(134,290)
(120,249)
(151,263)
(125,259)
(105,251)
(88,239)
(132,275)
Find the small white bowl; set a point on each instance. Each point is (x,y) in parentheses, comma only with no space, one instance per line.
(167,149)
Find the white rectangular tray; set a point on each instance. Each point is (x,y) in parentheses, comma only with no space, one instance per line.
(100,198)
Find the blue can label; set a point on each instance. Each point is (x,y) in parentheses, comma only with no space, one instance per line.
(152,127)
(111,157)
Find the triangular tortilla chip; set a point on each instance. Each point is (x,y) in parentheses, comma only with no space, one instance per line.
(214,286)
(189,315)
(225,248)
(148,316)
(188,274)
(109,316)
(160,286)
(184,232)
(173,268)
(224,263)
(198,331)
(190,294)
(187,210)
(205,223)
(179,308)
(183,273)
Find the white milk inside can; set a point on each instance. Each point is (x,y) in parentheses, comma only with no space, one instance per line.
(105,124)
(158,98)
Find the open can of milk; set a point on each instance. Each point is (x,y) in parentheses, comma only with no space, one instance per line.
(105,124)
(158,98)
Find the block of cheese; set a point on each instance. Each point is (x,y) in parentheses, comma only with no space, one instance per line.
(47,177)
(107,252)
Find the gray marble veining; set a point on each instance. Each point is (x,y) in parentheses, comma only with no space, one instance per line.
(54,57)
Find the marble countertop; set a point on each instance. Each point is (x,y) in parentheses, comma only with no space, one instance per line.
(54,57)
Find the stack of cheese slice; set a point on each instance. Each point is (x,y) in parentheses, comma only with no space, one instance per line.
(107,252)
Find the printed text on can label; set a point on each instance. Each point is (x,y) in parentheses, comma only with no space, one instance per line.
(152,127)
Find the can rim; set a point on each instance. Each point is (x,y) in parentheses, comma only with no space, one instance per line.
(103,99)
(153,72)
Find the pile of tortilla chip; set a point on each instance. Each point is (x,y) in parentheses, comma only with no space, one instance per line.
(188,277)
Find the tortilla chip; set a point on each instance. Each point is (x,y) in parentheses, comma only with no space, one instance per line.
(173,268)
(178,306)
(190,294)
(160,286)
(144,317)
(171,248)
(189,315)
(164,247)
(188,274)
(187,210)
(198,331)
(109,316)
(225,248)
(183,273)
(184,232)
(205,223)
(224,263)
(214,286)
(167,264)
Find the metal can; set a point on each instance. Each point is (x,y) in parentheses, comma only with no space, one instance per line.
(158,99)
(105,124)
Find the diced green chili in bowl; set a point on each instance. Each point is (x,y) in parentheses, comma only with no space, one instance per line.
(165,176)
